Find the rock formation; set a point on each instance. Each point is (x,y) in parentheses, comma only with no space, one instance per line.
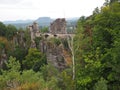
(56,54)
(58,26)
(34,30)
(3,58)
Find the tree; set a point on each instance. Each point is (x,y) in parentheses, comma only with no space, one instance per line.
(19,53)
(51,76)
(27,38)
(34,60)
(66,81)
(70,44)
(101,85)
(44,30)
(14,79)
(112,1)
(96,11)
(4,47)
(11,31)
(71,47)
(55,41)
(10,77)
(97,56)
(12,64)
(2,29)
(37,41)
(4,44)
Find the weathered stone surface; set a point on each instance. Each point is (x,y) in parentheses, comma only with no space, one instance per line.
(58,26)
(3,58)
(56,55)
(33,44)
(34,30)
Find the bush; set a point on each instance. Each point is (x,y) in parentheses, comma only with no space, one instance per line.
(101,85)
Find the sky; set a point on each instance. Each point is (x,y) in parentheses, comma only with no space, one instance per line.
(33,9)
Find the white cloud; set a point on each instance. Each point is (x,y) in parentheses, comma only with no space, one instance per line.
(8,2)
(32,9)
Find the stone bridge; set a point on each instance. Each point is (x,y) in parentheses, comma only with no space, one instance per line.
(50,35)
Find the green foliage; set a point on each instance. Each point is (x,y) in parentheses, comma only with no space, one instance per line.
(101,85)
(49,71)
(51,76)
(11,76)
(56,41)
(37,41)
(18,52)
(96,50)
(96,11)
(65,43)
(52,84)
(27,38)
(11,31)
(4,44)
(34,60)
(26,76)
(2,29)
(14,79)
(12,64)
(97,56)
(44,30)
(67,83)
(112,1)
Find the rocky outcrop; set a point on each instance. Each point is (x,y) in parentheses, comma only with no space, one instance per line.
(34,31)
(3,58)
(58,26)
(56,55)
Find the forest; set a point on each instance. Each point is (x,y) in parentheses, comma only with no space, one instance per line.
(93,55)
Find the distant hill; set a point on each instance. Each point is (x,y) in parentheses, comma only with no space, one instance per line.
(18,21)
(42,21)
(72,19)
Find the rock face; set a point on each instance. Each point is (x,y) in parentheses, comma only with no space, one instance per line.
(56,54)
(3,58)
(34,30)
(58,26)
(55,57)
